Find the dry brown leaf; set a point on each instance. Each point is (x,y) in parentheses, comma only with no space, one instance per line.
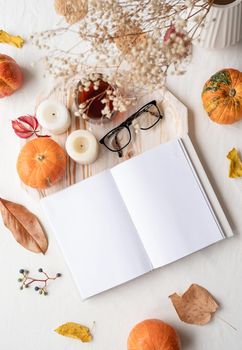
(76,331)
(195,306)
(24,226)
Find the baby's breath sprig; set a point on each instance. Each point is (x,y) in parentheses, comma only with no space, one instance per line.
(26,281)
(138,42)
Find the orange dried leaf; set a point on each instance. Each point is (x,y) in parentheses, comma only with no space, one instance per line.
(195,306)
(24,226)
(235,169)
(76,331)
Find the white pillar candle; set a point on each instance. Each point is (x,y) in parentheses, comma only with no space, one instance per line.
(82,146)
(53,116)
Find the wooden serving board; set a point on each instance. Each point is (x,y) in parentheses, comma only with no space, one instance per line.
(174,124)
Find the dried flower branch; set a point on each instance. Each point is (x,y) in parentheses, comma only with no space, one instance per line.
(26,281)
(138,42)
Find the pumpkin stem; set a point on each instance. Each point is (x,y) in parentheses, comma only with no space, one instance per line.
(232,92)
(40,157)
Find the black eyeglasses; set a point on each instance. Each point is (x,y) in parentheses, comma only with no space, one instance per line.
(144,119)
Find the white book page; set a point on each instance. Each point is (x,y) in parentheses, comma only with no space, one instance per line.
(166,204)
(96,234)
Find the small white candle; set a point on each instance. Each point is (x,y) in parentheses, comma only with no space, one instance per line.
(82,146)
(53,116)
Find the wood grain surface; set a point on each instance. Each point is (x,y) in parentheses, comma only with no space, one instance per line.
(174,124)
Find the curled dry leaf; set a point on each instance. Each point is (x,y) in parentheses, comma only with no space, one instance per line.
(235,169)
(24,226)
(6,38)
(76,331)
(195,306)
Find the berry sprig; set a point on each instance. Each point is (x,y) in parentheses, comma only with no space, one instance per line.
(26,281)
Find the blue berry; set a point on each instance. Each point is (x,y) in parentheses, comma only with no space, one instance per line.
(36,288)
(40,270)
(21,271)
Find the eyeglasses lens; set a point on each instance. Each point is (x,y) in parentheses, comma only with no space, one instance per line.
(148,117)
(118,139)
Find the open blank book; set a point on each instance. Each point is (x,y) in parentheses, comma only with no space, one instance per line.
(140,215)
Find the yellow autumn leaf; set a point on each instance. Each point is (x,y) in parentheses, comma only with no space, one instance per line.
(6,38)
(76,331)
(235,169)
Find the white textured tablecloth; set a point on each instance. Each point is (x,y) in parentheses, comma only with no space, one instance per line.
(27,320)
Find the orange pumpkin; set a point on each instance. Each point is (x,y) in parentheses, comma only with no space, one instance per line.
(153,335)
(11,76)
(222,96)
(41,163)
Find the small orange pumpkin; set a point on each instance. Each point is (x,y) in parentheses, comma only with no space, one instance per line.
(153,335)
(222,96)
(11,76)
(41,163)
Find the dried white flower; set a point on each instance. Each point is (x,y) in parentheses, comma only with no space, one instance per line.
(137,42)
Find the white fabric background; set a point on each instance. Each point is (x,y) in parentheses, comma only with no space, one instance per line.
(27,320)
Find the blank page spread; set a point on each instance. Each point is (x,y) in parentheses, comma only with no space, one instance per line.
(166,204)
(142,214)
(96,234)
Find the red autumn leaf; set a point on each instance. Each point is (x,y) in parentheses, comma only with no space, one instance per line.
(18,126)
(31,121)
(26,126)
(20,130)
